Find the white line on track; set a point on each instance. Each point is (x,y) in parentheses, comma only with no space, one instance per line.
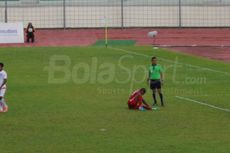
(202,103)
(171,61)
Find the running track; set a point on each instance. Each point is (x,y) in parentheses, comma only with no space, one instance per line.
(212,43)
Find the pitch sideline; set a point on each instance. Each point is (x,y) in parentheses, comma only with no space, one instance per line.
(202,103)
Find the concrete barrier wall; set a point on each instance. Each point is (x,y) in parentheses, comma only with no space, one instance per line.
(134,16)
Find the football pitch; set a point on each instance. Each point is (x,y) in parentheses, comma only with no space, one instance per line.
(74,100)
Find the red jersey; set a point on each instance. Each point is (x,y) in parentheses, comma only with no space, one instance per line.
(135,100)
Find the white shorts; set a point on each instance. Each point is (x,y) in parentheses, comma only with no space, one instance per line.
(2,92)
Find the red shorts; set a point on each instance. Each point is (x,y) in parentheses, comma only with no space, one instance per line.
(134,105)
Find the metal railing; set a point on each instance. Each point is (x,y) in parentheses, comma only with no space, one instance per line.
(117,13)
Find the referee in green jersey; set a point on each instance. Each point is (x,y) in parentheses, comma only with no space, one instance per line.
(155,80)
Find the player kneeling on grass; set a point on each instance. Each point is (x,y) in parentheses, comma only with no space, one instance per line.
(136,100)
(3,80)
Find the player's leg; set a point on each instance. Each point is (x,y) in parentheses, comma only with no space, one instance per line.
(2,100)
(5,106)
(153,87)
(158,87)
(32,37)
(1,105)
(154,97)
(132,105)
(28,38)
(161,96)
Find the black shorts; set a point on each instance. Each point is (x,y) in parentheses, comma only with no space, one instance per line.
(155,84)
(30,35)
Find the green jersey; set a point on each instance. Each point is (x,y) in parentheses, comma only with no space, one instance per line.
(155,72)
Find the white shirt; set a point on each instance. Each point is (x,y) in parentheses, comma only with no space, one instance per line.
(3,76)
(30,30)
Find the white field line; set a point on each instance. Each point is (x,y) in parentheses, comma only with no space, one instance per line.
(171,61)
(202,103)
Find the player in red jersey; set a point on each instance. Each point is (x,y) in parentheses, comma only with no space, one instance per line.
(136,100)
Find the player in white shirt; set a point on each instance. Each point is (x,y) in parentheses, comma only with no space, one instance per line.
(3,80)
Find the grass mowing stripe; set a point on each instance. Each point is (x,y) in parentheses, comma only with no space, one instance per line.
(115,43)
(171,61)
(202,103)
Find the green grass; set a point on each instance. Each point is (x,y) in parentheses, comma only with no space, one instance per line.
(116,43)
(67,118)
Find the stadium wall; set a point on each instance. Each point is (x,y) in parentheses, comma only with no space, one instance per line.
(60,15)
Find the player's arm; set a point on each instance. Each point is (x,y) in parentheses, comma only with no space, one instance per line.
(4,82)
(162,75)
(144,102)
(137,100)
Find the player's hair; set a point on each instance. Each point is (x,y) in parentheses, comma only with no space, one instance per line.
(154,57)
(1,64)
(143,89)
